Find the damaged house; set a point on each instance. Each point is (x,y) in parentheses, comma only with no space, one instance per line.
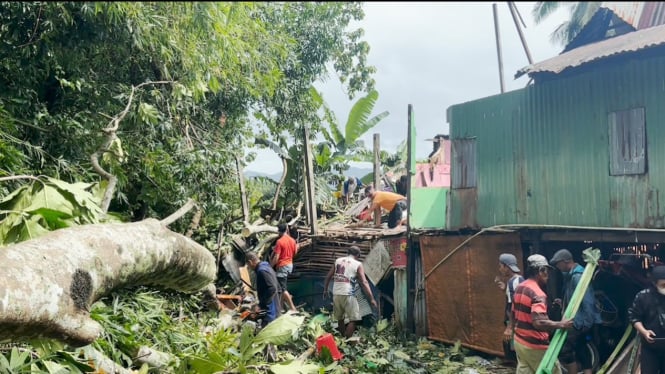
(571,161)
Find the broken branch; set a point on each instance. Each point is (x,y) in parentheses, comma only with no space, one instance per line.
(179,213)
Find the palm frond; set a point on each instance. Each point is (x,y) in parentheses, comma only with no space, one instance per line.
(560,34)
(544,9)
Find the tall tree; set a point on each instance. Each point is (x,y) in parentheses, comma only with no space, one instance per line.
(580,13)
(67,68)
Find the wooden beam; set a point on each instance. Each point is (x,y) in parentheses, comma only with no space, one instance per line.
(243,192)
(377,174)
(309,175)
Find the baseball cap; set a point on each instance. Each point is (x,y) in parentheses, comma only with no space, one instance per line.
(658,273)
(561,255)
(509,260)
(537,261)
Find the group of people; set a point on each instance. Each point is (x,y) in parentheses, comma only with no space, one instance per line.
(528,325)
(272,277)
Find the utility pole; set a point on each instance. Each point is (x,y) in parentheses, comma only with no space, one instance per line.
(498,47)
(515,13)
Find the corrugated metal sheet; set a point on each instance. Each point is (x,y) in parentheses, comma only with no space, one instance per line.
(638,14)
(463,302)
(543,152)
(464,163)
(630,42)
(419,305)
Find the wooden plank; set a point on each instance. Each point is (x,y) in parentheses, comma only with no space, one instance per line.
(377,174)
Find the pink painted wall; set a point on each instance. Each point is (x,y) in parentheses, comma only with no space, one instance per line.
(439,175)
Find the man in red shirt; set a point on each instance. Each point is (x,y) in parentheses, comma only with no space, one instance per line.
(530,320)
(282,261)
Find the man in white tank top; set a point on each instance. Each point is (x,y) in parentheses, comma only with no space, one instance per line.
(346,272)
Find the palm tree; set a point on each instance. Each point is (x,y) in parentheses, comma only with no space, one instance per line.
(580,13)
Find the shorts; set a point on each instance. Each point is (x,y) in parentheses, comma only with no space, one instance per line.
(346,306)
(282,276)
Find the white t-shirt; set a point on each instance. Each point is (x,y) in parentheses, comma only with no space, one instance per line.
(346,270)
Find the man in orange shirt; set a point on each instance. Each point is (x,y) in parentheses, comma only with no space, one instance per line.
(282,261)
(390,201)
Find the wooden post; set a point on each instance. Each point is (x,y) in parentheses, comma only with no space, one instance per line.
(243,192)
(309,176)
(377,174)
(411,282)
(498,47)
(305,188)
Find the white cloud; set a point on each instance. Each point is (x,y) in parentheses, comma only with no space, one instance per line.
(434,55)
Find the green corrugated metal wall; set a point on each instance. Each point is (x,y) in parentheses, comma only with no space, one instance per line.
(543,158)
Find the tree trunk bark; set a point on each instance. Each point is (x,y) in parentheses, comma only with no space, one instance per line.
(49,283)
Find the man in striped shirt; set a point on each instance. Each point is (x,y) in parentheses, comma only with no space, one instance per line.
(530,320)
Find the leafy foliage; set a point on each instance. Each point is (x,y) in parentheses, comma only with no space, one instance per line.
(47,204)
(67,67)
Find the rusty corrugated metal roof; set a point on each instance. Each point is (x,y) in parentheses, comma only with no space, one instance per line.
(639,14)
(631,42)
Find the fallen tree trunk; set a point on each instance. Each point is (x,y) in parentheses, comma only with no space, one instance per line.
(49,283)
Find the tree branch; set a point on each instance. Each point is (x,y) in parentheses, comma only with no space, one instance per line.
(16,177)
(179,213)
(110,132)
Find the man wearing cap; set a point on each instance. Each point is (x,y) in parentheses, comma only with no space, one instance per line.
(531,323)
(647,314)
(574,350)
(510,272)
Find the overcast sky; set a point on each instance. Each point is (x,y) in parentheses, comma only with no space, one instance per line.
(434,55)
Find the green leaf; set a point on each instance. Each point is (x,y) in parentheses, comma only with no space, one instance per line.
(74,363)
(401,355)
(17,199)
(148,114)
(55,368)
(280,330)
(295,367)
(29,229)
(382,325)
(246,337)
(358,122)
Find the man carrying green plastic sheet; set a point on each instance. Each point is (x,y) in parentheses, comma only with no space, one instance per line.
(574,351)
(531,323)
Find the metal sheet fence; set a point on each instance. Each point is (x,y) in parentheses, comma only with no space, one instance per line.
(463,302)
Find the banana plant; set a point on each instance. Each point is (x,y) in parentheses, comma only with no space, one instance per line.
(341,147)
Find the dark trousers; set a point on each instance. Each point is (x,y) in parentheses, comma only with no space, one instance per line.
(395,215)
(652,361)
(575,349)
